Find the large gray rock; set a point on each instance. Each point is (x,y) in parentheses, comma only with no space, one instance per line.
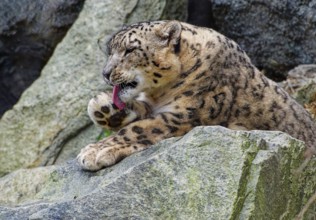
(277,35)
(200,13)
(29,32)
(210,173)
(52,111)
(299,77)
(301,84)
(303,79)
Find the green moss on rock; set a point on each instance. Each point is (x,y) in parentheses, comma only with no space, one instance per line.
(210,173)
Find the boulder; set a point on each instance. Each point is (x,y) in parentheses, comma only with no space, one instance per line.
(210,173)
(277,35)
(301,84)
(200,13)
(29,32)
(52,112)
(299,77)
(303,80)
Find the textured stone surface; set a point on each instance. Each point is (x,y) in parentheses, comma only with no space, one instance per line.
(29,32)
(305,75)
(307,97)
(299,77)
(277,35)
(53,110)
(200,13)
(301,84)
(210,173)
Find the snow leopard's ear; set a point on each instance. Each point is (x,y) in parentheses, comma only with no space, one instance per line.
(170,32)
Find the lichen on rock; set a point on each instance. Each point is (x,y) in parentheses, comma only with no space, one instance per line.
(210,173)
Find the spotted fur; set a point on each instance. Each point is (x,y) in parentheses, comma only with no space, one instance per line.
(178,76)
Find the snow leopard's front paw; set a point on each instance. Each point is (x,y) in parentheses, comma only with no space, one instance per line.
(94,157)
(105,153)
(104,113)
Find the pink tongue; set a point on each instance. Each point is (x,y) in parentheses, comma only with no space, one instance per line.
(116,100)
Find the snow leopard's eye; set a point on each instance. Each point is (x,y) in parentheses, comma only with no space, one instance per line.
(129,50)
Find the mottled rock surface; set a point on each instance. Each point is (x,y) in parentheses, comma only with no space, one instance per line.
(200,13)
(301,84)
(52,112)
(299,77)
(210,173)
(277,35)
(29,32)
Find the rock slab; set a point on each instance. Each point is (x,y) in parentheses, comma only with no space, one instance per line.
(52,112)
(278,35)
(301,84)
(210,173)
(29,32)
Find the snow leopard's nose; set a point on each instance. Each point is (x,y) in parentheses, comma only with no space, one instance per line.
(106,74)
